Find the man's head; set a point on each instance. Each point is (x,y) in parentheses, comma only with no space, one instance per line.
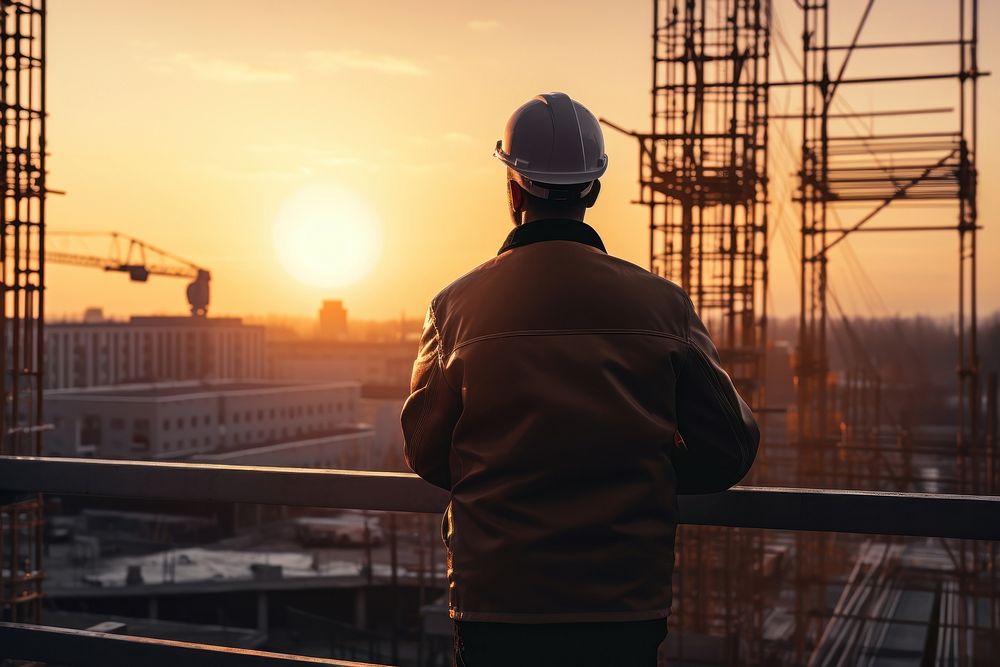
(554,151)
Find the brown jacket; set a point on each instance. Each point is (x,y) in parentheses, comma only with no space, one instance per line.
(548,394)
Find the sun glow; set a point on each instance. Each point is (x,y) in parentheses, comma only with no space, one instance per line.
(326,236)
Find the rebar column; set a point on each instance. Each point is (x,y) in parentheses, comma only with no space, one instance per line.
(22,220)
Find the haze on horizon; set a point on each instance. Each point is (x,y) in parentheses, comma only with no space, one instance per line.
(190,126)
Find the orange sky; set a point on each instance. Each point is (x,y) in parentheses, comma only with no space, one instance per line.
(190,123)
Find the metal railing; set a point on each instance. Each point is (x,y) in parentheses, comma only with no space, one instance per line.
(881,513)
(64,646)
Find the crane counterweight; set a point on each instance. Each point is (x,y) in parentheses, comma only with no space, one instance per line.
(197,294)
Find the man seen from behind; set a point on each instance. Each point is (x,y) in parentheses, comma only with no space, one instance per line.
(565,397)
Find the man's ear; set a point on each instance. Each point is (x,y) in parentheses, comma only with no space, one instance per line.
(591,197)
(515,197)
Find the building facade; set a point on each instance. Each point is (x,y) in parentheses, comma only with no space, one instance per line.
(184,419)
(148,349)
(385,364)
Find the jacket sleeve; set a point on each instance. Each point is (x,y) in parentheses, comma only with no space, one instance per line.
(431,412)
(717,434)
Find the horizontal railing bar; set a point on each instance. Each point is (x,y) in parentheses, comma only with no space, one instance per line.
(66,646)
(843,511)
(869,512)
(303,487)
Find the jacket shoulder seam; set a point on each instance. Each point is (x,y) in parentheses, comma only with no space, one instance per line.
(441,356)
(437,332)
(688,316)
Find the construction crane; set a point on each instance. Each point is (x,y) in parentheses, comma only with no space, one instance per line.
(140,260)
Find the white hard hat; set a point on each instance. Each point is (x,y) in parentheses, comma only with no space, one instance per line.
(553,140)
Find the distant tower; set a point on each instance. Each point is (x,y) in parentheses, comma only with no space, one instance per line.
(333,320)
(93,315)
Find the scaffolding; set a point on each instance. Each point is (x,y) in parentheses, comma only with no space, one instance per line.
(703,172)
(842,168)
(849,178)
(703,177)
(22,218)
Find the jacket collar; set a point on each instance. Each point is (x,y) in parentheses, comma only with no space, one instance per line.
(554,229)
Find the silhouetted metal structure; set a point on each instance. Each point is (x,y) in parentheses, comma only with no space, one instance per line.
(843,170)
(703,177)
(703,170)
(22,219)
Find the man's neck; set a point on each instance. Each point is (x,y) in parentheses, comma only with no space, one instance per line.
(532,216)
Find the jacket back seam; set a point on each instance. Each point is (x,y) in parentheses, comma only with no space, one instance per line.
(569,332)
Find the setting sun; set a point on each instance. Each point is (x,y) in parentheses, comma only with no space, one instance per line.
(326,236)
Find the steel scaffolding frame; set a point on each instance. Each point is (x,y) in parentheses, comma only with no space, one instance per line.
(838,440)
(22,219)
(703,170)
(703,177)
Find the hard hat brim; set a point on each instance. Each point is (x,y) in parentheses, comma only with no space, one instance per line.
(554,178)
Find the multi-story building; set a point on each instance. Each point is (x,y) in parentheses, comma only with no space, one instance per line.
(185,419)
(147,349)
(387,364)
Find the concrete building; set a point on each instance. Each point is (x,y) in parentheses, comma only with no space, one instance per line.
(185,419)
(145,349)
(387,364)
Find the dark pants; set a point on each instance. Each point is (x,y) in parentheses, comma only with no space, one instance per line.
(619,644)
